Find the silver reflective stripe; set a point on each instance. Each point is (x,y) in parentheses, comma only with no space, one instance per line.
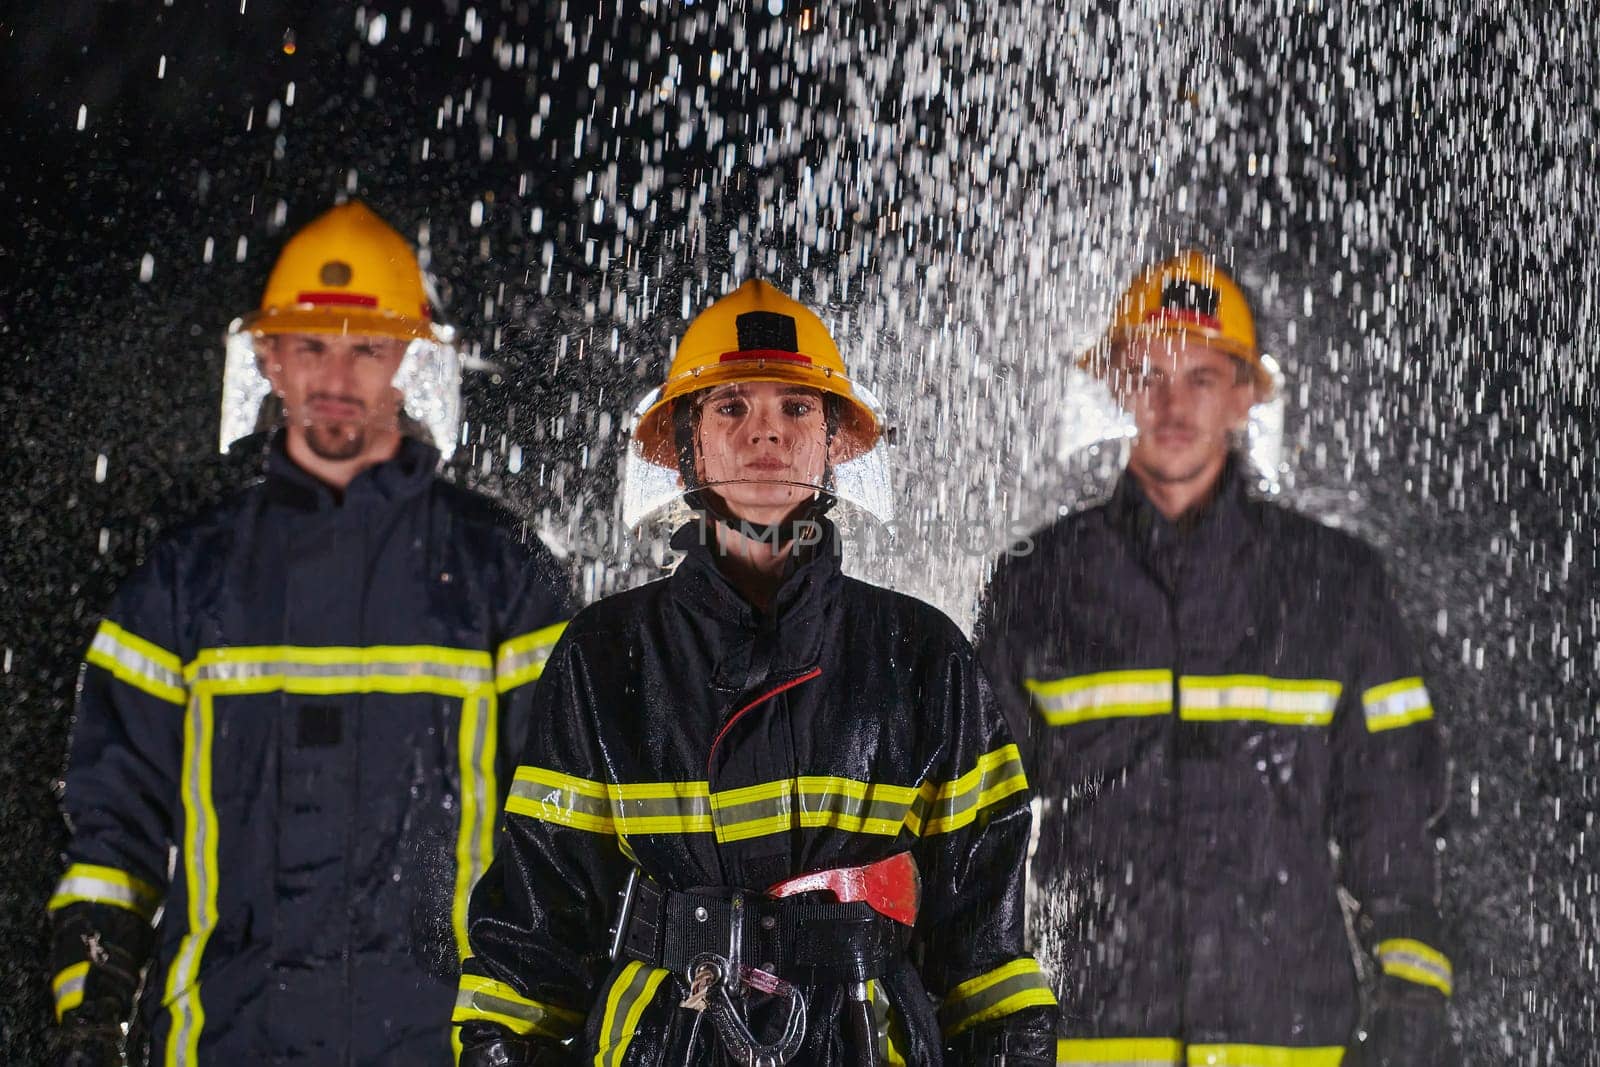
(1107,695)
(561,799)
(1421,963)
(69,987)
(480,785)
(132,660)
(950,808)
(1396,704)
(516,662)
(183,988)
(251,670)
(1286,701)
(80,886)
(629,809)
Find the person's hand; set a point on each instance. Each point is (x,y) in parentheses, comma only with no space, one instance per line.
(1410,1028)
(88,1044)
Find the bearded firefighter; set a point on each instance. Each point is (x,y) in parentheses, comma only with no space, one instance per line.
(295,719)
(768,813)
(1216,690)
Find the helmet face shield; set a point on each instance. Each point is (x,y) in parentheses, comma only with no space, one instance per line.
(428,378)
(764,449)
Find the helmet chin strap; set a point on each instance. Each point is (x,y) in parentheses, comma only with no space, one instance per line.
(801,526)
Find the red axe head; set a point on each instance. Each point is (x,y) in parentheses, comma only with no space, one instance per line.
(891,887)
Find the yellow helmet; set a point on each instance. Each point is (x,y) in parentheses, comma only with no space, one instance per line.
(757,334)
(1190,296)
(346,272)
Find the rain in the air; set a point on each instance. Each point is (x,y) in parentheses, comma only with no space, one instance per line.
(757,532)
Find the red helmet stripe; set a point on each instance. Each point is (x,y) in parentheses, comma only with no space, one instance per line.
(1194,318)
(362,300)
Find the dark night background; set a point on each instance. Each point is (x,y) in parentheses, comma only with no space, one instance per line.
(1465,450)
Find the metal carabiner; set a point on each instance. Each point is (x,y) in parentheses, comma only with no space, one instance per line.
(710,974)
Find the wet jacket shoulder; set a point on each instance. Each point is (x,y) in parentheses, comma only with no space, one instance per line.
(681,733)
(1209,703)
(240,670)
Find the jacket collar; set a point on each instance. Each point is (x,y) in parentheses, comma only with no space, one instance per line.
(409,472)
(1222,523)
(759,646)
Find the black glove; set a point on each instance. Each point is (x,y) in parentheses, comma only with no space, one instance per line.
(1025,1039)
(489,1046)
(1410,1027)
(82,1043)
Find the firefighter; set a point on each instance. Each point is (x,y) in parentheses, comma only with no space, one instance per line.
(738,775)
(306,696)
(1215,687)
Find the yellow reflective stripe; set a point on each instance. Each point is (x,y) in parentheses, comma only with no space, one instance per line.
(1258,698)
(88,883)
(640,808)
(885,1027)
(953,805)
(626,1001)
(813,802)
(661,807)
(1416,962)
(1102,695)
(67,988)
(522,659)
(199,854)
(1264,1056)
(1016,985)
(1397,703)
(481,999)
(477,741)
(1168,1052)
(810,801)
(142,664)
(329,670)
(552,797)
(1119,1052)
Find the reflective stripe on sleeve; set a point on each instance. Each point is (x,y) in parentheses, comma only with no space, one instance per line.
(1417,962)
(142,664)
(1001,992)
(522,659)
(481,999)
(582,804)
(626,1001)
(1105,695)
(943,808)
(86,883)
(67,988)
(1395,704)
(1257,698)
(1264,1056)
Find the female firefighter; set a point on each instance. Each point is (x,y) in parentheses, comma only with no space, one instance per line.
(768,812)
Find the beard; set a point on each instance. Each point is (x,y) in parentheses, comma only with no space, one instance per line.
(337,440)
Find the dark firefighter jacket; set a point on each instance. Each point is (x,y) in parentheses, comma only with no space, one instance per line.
(678,729)
(1210,704)
(310,705)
